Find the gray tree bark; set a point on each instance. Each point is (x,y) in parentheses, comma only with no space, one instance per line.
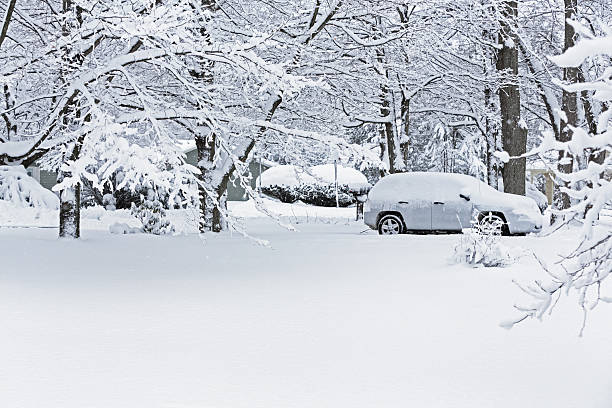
(569,104)
(491,107)
(70,212)
(514,133)
(205,146)
(11,127)
(70,197)
(10,8)
(206,142)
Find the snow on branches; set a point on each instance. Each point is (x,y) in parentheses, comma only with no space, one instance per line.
(589,264)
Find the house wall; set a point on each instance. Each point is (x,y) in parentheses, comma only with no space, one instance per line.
(48,179)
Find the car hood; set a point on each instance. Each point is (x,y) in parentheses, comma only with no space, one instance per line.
(506,202)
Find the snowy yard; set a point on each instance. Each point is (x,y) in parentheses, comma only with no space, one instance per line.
(326,317)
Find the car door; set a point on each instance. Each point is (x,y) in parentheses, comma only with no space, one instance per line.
(414,203)
(451,207)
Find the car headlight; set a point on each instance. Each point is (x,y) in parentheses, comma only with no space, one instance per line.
(366,206)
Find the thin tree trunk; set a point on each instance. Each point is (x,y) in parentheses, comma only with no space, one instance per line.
(586,97)
(70,197)
(514,131)
(491,107)
(569,105)
(9,118)
(386,110)
(491,139)
(205,141)
(405,139)
(7,20)
(205,146)
(218,221)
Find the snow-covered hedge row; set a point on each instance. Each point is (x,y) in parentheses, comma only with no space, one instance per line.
(22,190)
(314,194)
(314,186)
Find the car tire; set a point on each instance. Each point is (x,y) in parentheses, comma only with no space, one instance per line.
(390,225)
(492,224)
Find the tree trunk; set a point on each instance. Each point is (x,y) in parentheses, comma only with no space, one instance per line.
(491,107)
(10,8)
(70,212)
(514,131)
(218,221)
(569,105)
(205,146)
(405,139)
(70,197)
(586,97)
(396,164)
(491,139)
(205,140)
(392,141)
(9,118)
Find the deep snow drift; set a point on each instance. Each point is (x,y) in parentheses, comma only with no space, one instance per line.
(327,317)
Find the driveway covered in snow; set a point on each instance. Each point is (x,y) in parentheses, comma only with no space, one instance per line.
(327,317)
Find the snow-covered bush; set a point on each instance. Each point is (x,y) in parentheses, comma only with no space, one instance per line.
(152,215)
(323,195)
(313,186)
(109,202)
(22,190)
(285,194)
(481,246)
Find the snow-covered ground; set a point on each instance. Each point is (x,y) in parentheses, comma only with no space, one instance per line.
(329,316)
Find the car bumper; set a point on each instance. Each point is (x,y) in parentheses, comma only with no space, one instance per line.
(524,226)
(370,218)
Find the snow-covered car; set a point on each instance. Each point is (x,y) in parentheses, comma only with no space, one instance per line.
(434,202)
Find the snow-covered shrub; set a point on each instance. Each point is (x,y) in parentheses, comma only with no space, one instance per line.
(109,202)
(481,246)
(152,215)
(22,190)
(283,193)
(315,186)
(323,195)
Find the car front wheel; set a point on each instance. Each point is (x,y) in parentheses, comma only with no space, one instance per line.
(491,224)
(390,225)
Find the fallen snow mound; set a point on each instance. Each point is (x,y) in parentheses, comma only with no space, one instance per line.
(291,176)
(22,190)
